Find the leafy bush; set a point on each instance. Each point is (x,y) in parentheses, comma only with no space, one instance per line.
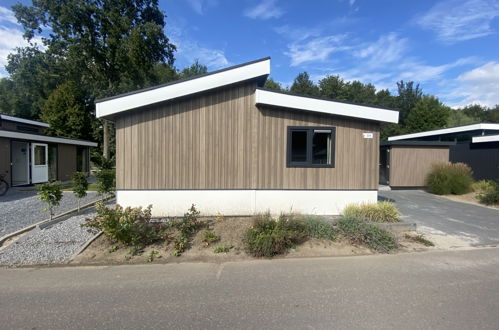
(106,182)
(80,185)
(449,178)
(361,232)
(130,226)
(490,196)
(222,249)
(50,193)
(210,237)
(483,186)
(188,225)
(269,237)
(373,212)
(319,228)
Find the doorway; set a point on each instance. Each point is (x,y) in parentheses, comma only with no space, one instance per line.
(39,163)
(20,163)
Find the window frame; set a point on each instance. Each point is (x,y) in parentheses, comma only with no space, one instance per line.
(309,146)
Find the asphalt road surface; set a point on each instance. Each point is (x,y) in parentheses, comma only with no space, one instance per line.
(441,290)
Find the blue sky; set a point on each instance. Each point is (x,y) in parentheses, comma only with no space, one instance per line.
(451,47)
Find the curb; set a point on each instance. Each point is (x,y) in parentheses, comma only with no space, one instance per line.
(84,246)
(47,222)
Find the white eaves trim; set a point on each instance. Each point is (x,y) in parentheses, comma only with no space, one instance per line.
(325,106)
(485,138)
(459,129)
(24,121)
(42,138)
(142,98)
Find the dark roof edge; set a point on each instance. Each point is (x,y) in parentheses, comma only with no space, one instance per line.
(181,80)
(327,99)
(49,136)
(418,143)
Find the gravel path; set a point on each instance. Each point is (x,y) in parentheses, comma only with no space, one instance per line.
(55,244)
(19,209)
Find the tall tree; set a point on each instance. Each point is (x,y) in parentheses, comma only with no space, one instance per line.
(274,85)
(195,69)
(429,113)
(408,96)
(304,85)
(333,87)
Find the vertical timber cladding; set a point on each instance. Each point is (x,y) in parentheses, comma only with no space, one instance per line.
(5,158)
(66,161)
(221,140)
(410,165)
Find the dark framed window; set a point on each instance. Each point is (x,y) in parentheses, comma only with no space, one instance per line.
(310,146)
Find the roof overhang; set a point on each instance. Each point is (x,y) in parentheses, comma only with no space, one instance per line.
(290,101)
(44,138)
(410,143)
(485,138)
(106,108)
(460,129)
(23,121)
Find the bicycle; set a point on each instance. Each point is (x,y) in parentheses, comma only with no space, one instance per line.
(4,186)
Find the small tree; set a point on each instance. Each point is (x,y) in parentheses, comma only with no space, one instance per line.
(106,182)
(80,186)
(50,193)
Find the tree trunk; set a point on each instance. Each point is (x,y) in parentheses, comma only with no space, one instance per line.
(105,147)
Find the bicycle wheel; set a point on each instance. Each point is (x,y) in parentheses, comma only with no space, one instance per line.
(4,186)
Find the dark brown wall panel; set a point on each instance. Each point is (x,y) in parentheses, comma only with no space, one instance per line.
(5,158)
(66,157)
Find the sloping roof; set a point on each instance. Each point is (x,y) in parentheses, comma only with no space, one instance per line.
(331,107)
(23,121)
(485,138)
(45,138)
(120,103)
(418,143)
(459,129)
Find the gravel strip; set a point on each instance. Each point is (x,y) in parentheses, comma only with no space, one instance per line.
(19,209)
(55,244)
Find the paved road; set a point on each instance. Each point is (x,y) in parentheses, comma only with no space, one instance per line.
(441,290)
(461,224)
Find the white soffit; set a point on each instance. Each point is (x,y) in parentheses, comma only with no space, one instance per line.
(451,130)
(43,138)
(325,106)
(485,138)
(24,121)
(114,105)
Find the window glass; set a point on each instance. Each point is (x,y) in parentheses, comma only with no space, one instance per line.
(82,159)
(52,162)
(40,155)
(299,146)
(321,147)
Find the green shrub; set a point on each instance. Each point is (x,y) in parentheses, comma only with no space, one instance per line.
(374,237)
(319,228)
(483,186)
(50,193)
(449,178)
(210,237)
(373,212)
(222,249)
(130,226)
(106,182)
(490,196)
(269,237)
(188,225)
(80,185)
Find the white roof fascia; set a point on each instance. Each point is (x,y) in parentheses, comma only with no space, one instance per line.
(142,98)
(24,121)
(459,129)
(485,138)
(325,106)
(42,138)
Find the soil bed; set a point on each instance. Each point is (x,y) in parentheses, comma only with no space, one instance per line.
(469,198)
(230,230)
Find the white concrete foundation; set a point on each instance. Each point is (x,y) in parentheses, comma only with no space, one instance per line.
(244,202)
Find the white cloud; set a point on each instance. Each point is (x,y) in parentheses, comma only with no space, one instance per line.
(479,85)
(387,49)
(458,20)
(7,15)
(264,10)
(315,49)
(200,6)
(10,38)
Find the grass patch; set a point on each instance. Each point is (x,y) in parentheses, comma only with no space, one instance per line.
(210,237)
(370,235)
(319,228)
(373,212)
(419,239)
(449,178)
(269,237)
(222,249)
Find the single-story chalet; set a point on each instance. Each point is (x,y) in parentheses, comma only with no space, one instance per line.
(222,142)
(476,145)
(29,156)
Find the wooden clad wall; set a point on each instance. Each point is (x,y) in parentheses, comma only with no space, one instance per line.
(5,158)
(410,165)
(66,161)
(221,140)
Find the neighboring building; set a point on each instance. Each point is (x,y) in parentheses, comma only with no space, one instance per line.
(405,164)
(29,156)
(476,145)
(221,142)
